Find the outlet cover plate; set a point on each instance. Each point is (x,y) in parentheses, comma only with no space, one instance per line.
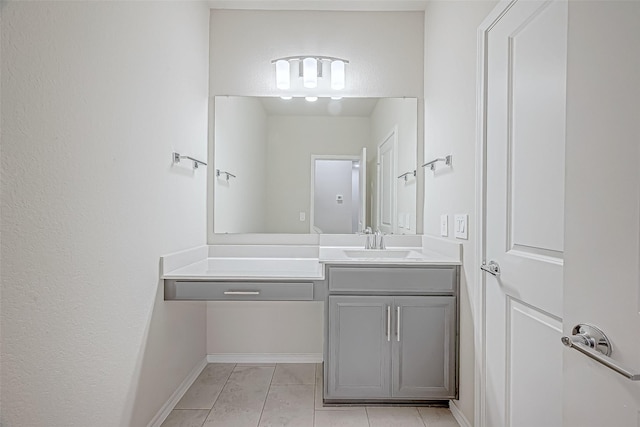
(444,225)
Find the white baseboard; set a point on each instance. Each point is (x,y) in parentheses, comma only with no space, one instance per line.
(166,409)
(265,358)
(458,415)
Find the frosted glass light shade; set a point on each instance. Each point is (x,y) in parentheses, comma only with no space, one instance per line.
(310,72)
(283,74)
(337,75)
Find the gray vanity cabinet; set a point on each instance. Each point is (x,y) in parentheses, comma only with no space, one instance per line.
(391,346)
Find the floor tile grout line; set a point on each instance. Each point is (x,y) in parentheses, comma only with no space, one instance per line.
(424,423)
(267,396)
(218,396)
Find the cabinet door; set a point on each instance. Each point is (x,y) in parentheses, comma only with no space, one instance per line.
(424,347)
(359,359)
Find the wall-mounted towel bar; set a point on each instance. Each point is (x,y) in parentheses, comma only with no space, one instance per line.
(228,174)
(406,175)
(177,157)
(432,163)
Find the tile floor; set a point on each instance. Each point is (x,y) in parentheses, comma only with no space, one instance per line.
(261,395)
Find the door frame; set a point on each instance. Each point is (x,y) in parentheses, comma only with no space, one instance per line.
(480,207)
(315,157)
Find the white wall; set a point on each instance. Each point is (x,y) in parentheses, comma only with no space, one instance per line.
(95,97)
(400,114)
(241,150)
(265,327)
(292,140)
(450,123)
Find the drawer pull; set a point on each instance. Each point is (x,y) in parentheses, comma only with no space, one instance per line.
(242,292)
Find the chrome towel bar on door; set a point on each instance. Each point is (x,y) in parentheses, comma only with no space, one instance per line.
(593,343)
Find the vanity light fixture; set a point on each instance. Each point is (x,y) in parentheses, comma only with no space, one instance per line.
(310,70)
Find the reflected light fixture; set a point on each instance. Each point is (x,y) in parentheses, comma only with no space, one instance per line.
(283,74)
(310,69)
(337,75)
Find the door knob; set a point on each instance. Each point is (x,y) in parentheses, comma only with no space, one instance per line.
(491,268)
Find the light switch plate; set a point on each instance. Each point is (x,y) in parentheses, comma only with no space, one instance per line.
(444,225)
(303,216)
(461,226)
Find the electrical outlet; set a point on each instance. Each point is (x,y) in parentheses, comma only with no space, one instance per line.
(444,225)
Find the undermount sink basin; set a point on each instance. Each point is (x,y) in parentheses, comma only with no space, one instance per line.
(379,253)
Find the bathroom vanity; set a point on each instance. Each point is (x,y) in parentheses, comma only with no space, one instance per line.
(391,334)
(391,316)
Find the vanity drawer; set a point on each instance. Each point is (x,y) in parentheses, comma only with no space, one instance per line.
(411,280)
(238,291)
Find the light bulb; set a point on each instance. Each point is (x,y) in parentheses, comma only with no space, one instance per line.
(283,74)
(286,98)
(337,75)
(310,72)
(311,98)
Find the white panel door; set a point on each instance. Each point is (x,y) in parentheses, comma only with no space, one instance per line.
(602,273)
(525,157)
(387,184)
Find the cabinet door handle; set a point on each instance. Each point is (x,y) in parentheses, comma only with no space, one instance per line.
(398,323)
(388,323)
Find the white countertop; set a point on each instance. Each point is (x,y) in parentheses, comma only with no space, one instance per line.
(389,256)
(250,268)
(296,262)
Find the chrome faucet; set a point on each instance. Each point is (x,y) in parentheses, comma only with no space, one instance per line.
(368,234)
(373,240)
(378,240)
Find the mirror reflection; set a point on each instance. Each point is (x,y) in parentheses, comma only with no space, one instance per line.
(329,166)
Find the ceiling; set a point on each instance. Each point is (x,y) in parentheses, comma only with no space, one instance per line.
(332,5)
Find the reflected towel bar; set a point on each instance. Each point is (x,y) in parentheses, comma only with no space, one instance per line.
(432,163)
(177,157)
(406,174)
(228,174)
